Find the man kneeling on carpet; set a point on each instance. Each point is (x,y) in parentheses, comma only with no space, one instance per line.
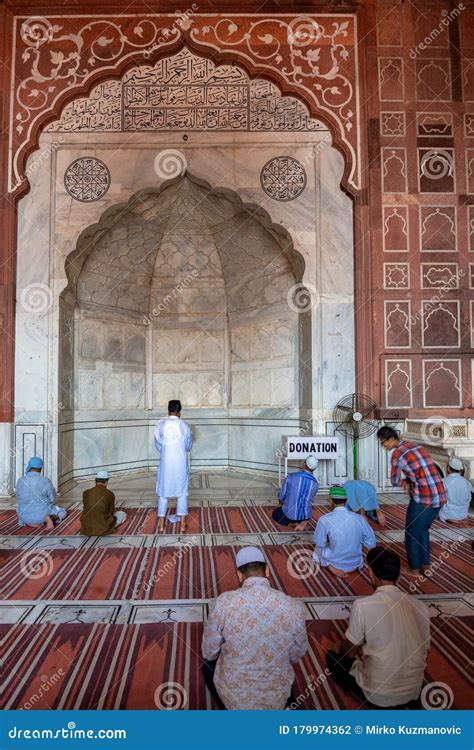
(382,658)
(99,516)
(296,496)
(458,494)
(362,498)
(35,498)
(251,640)
(340,537)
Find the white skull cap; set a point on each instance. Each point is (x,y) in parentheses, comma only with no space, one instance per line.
(249,555)
(311,462)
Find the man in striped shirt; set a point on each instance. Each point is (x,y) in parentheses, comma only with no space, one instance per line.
(296,496)
(413,469)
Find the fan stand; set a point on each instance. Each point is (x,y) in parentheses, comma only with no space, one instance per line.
(355,454)
(357,417)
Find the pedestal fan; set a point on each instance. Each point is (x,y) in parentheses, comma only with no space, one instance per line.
(356,416)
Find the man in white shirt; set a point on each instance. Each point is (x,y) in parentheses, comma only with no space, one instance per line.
(458,494)
(173,440)
(252,639)
(390,630)
(340,536)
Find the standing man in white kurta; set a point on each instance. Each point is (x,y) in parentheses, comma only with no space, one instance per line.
(173,440)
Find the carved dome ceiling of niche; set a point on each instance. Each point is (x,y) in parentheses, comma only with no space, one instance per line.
(227,256)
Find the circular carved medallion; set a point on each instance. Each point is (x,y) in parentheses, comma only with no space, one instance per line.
(87,179)
(283,178)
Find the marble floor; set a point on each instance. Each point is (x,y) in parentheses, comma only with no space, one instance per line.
(221,487)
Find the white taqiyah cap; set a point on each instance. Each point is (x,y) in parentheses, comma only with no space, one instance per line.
(249,555)
(455,463)
(102,474)
(311,462)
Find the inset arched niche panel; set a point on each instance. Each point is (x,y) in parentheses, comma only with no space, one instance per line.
(207,281)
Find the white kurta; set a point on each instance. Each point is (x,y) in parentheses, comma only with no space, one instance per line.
(173,439)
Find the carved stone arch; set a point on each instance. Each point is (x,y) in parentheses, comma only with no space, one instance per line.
(348,183)
(279,67)
(228,340)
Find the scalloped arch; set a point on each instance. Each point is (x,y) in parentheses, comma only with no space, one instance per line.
(278,66)
(113,215)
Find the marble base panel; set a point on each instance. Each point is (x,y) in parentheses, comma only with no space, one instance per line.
(118,445)
(193,610)
(6,449)
(238,441)
(444,537)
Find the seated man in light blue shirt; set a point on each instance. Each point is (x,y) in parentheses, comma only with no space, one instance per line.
(296,496)
(340,536)
(458,494)
(362,498)
(35,498)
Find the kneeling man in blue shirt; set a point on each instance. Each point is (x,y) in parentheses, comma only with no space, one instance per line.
(362,498)
(296,496)
(340,537)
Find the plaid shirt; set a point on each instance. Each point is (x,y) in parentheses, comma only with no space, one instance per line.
(427,485)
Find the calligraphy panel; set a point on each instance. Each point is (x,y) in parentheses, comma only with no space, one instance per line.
(185,92)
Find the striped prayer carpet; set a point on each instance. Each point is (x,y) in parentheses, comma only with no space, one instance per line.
(217,520)
(97,666)
(199,572)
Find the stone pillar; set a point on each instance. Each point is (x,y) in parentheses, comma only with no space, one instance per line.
(7,265)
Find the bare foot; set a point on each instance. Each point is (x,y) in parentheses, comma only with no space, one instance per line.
(49,523)
(183,524)
(300,526)
(411,572)
(161,526)
(380,518)
(339,573)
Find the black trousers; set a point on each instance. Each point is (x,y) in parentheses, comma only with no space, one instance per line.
(340,666)
(281,518)
(209,667)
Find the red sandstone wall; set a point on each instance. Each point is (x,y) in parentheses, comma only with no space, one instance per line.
(420,100)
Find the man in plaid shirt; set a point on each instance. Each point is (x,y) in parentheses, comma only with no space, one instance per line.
(413,469)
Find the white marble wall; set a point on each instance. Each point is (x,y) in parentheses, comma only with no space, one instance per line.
(263,363)
(333,331)
(110,364)
(319,223)
(6,459)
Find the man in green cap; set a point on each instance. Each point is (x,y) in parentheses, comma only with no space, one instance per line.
(340,536)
